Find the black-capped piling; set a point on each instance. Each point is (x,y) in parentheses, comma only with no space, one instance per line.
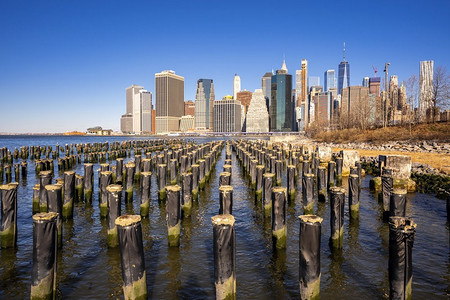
(337,202)
(308,193)
(162,181)
(268,184)
(322,183)
(105,180)
(225,200)
(309,256)
(69,195)
(353,195)
(132,257)
(129,181)
(114,201)
(224,243)
(195,173)
(173,214)
(279,209)
(186,191)
(259,182)
(225,178)
(45,178)
(401,241)
(146,183)
(397,203)
(291,186)
(43,273)
(8,230)
(88,181)
(55,204)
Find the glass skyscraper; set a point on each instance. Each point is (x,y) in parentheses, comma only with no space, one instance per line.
(344,76)
(204,104)
(281,105)
(329,79)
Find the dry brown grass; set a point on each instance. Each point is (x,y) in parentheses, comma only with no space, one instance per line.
(439,161)
(421,132)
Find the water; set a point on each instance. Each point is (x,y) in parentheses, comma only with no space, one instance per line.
(88,269)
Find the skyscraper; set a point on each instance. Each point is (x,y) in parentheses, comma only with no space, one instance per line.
(169,93)
(138,117)
(146,111)
(227,115)
(344,74)
(266,82)
(365,82)
(425,88)
(374,86)
(189,108)
(245,97)
(204,105)
(304,85)
(298,84)
(329,78)
(236,85)
(281,106)
(257,118)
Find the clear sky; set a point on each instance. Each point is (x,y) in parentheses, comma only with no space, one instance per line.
(64,65)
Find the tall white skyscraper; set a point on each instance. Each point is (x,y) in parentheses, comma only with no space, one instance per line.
(425,88)
(298,84)
(138,117)
(147,108)
(236,85)
(365,82)
(204,105)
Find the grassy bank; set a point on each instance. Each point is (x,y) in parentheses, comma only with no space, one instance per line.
(439,132)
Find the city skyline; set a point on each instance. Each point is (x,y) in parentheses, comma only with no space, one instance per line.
(81,62)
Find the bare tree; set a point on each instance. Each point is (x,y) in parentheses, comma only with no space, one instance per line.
(412,96)
(441,88)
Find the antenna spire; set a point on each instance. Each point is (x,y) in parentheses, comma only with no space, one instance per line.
(344,51)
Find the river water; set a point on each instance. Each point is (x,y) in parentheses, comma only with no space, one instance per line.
(87,269)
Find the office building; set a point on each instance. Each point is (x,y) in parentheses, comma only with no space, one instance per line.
(126,123)
(146,112)
(189,108)
(343,74)
(266,82)
(425,89)
(169,93)
(304,84)
(375,86)
(365,82)
(355,109)
(257,117)
(245,97)
(227,115)
(187,123)
(204,105)
(138,116)
(281,106)
(329,78)
(236,85)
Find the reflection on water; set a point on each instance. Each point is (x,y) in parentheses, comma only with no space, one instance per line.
(88,269)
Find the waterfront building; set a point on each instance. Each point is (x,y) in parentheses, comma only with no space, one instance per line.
(257,117)
(227,115)
(281,106)
(126,123)
(204,105)
(137,118)
(236,85)
(329,78)
(169,93)
(187,123)
(425,89)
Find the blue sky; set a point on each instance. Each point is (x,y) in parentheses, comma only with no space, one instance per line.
(64,65)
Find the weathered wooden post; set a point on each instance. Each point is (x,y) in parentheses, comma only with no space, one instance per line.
(173,214)
(339,164)
(278,170)
(279,209)
(36,191)
(8,230)
(401,240)
(54,195)
(162,181)
(195,172)
(259,181)
(322,183)
(397,203)
(387,184)
(129,181)
(114,192)
(308,193)
(337,202)
(69,193)
(45,178)
(88,181)
(291,182)
(224,242)
(309,241)
(79,182)
(225,200)
(186,189)
(119,171)
(353,195)
(43,273)
(331,171)
(201,175)
(146,183)
(268,183)
(173,171)
(132,257)
(225,178)
(106,180)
